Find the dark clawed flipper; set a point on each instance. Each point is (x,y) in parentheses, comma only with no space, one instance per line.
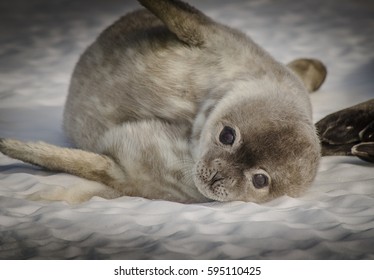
(364,151)
(367,135)
(337,150)
(344,126)
(341,131)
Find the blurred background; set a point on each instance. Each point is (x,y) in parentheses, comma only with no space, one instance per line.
(41,40)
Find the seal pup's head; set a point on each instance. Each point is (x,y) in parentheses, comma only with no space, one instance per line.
(256,147)
(253,138)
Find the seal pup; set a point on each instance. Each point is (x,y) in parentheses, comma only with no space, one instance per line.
(169,104)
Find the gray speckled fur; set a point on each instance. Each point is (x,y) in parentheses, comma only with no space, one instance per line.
(154,90)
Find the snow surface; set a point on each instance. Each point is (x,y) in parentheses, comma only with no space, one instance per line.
(41,40)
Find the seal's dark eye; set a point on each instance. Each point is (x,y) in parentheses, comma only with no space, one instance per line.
(260,181)
(227,136)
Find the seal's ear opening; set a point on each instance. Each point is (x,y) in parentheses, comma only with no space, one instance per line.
(311,71)
(188,23)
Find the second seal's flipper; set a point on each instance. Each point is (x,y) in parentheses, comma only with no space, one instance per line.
(349,131)
(364,151)
(346,126)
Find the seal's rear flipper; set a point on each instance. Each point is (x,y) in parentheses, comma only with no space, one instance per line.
(183,20)
(311,71)
(84,164)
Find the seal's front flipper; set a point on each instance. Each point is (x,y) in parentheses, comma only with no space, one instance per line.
(186,22)
(84,164)
(311,71)
(349,131)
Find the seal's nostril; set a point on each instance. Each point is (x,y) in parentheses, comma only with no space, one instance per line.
(217,177)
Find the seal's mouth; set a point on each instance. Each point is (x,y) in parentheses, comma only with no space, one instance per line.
(205,185)
(212,185)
